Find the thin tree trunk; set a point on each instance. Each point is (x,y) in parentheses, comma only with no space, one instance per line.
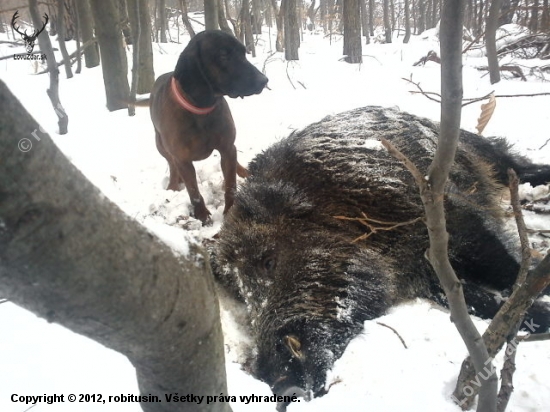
(371,17)
(53,91)
(134,9)
(292,30)
(545,19)
(185,18)
(352,31)
(114,63)
(407,22)
(387,25)
(146,74)
(211,15)
(222,19)
(77,37)
(452,17)
(279,23)
(247,26)
(534,22)
(91,54)
(364,20)
(61,37)
(421,16)
(490,41)
(74,258)
(161,10)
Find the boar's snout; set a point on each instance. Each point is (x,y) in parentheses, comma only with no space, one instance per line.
(294,365)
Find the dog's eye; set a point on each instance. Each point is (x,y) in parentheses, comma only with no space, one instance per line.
(224,56)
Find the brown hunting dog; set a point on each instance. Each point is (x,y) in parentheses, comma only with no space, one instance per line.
(192,118)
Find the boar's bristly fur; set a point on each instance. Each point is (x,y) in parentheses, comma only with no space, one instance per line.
(308,288)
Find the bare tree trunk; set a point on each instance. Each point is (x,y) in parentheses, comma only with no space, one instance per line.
(74,258)
(257,17)
(146,74)
(53,91)
(77,37)
(387,25)
(480,18)
(364,20)
(490,41)
(371,17)
(292,30)
(421,16)
(61,37)
(246,27)
(124,21)
(91,54)
(407,22)
(211,15)
(134,10)
(452,17)
(279,23)
(352,31)
(534,22)
(222,20)
(114,63)
(545,19)
(185,18)
(161,10)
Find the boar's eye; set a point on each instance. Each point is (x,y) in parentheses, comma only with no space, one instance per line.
(269,263)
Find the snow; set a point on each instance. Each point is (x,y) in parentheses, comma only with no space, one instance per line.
(118,154)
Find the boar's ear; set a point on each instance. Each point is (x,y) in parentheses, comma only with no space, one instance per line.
(264,201)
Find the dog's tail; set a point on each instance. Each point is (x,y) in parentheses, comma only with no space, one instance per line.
(142,102)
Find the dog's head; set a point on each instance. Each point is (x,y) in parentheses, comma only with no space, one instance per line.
(214,63)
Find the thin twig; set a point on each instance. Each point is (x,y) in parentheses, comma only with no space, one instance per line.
(394,331)
(522,229)
(288,76)
(427,94)
(367,221)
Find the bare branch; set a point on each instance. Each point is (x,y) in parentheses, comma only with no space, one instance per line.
(394,331)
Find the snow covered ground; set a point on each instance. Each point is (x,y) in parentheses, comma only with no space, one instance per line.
(117,153)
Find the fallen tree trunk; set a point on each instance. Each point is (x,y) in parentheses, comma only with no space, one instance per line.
(71,256)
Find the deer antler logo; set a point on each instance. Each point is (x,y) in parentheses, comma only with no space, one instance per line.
(29,40)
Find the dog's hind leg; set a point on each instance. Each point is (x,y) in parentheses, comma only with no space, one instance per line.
(175,178)
(242,171)
(187,172)
(229,168)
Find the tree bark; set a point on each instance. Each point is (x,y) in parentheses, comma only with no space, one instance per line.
(421,16)
(162,22)
(246,27)
(371,17)
(452,17)
(352,31)
(279,23)
(407,22)
(490,41)
(146,74)
(222,20)
(387,25)
(134,10)
(292,30)
(114,63)
(71,256)
(53,91)
(364,20)
(211,15)
(61,37)
(185,18)
(534,22)
(91,54)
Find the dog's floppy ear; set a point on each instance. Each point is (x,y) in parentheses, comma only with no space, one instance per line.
(191,76)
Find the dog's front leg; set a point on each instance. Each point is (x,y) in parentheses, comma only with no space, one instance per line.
(189,176)
(229,170)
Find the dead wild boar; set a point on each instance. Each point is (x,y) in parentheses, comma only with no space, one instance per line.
(308,287)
